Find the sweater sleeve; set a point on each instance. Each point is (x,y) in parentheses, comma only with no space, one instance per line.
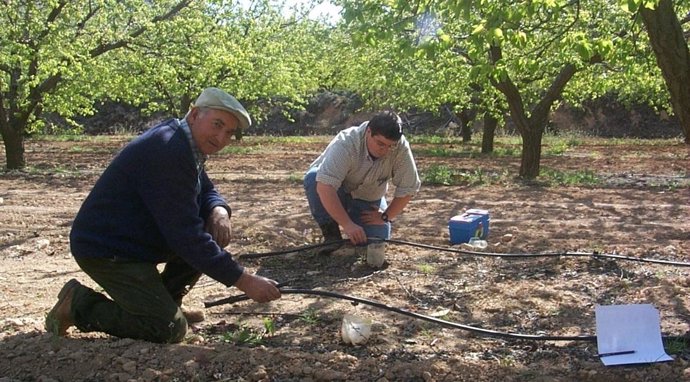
(209,198)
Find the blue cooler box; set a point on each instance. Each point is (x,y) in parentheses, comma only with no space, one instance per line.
(464,227)
(485,220)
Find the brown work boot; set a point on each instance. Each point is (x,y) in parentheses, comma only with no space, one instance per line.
(192,315)
(331,234)
(59,319)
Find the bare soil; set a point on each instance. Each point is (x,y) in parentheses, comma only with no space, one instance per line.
(639,209)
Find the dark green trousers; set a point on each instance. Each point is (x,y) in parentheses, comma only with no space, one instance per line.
(143,304)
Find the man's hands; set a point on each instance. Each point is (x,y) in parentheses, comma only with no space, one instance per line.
(219,226)
(329,198)
(356,233)
(259,289)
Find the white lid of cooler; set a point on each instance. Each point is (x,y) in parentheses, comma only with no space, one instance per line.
(464,218)
(477,211)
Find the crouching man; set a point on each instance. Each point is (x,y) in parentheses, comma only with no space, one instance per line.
(155,204)
(346,185)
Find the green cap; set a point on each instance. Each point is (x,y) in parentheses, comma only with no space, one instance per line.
(215,98)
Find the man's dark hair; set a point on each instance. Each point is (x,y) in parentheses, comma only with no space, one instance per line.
(388,124)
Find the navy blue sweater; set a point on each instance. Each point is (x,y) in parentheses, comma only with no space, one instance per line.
(145,207)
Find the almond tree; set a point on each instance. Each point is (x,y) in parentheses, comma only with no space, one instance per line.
(50,56)
(527,50)
(255,52)
(670,44)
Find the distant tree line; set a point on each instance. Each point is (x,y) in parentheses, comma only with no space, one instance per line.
(488,59)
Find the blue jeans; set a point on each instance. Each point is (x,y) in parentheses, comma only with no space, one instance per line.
(354,207)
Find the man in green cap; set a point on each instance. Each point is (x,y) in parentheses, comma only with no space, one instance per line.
(155,204)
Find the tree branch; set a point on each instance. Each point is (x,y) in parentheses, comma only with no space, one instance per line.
(541,110)
(508,88)
(539,51)
(10,20)
(55,12)
(36,96)
(82,23)
(50,19)
(104,48)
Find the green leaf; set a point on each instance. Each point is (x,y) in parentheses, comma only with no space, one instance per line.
(631,5)
(497,35)
(479,28)
(584,50)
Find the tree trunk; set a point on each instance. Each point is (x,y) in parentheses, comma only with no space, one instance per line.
(672,56)
(14,148)
(185,104)
(532,127)
(531,152)
(465,117)
(466,133)
(489,131)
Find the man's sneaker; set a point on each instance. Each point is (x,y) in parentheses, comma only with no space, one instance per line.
(59,319)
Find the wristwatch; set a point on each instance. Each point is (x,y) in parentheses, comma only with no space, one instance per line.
(384,217)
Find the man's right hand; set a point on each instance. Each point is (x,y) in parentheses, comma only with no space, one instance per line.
(258,288)
(355,233)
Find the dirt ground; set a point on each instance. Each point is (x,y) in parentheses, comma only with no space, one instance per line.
(640,210)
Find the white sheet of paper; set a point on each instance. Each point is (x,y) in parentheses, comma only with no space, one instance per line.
(635,327)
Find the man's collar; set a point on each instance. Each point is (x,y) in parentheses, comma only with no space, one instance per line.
(198,155)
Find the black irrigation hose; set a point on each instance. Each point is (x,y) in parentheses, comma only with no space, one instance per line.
(553,254)
(450,324)
(285,252)
(474,253)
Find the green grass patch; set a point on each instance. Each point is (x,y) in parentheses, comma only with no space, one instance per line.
(296,177)
(507,151)
(433,139)
(81,138)
(57,169)
(76,149)
(243,335)
(426,268)
(559,147)
(237,150)
(289,139)
(504,146)
(638,142)
(439,175)
(569,178)
(309,316)
(444,175)
(676,346)
(447,152)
